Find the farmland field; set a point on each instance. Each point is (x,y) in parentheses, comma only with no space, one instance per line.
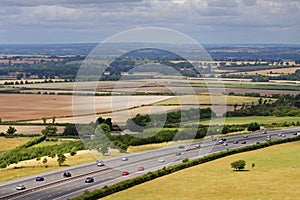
(275,176)
(11,143)
(258,119)
(29,129)
(206,99)
(16,107)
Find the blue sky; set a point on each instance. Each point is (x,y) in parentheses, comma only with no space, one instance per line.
(206,21)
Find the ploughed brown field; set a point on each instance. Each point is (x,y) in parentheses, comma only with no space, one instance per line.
(25,107)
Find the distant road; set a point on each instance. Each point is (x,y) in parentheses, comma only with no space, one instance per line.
(55,186)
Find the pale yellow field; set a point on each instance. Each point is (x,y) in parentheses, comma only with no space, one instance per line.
(11,143)
(29,129)
(275,176)
(275,72)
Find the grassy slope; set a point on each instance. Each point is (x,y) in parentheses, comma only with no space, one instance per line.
(275,176)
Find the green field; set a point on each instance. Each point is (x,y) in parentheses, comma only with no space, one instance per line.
(206,99)
(275,176)
(258,119)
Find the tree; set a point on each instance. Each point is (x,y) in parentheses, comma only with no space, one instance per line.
(70,129)
(49,130)
(101,141)
(253,126)
(73,151)
(44,120)
(53,120)
(45,160)
(61,158)
(11,130)
(238,165)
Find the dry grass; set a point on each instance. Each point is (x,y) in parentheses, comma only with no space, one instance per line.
(275,176)
(11,143)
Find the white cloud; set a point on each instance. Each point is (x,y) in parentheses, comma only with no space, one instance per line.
(106,17)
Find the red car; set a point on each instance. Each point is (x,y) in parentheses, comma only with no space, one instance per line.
(124,173)
(141,169)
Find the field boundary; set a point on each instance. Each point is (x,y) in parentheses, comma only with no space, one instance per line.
(108,190)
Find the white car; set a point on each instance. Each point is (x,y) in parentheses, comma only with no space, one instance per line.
(20,187)
(161,160)
(100,163)
(124,158)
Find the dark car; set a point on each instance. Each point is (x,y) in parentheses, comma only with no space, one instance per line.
(181,147)
(235,142)
(89,180)
(177,153)
(244,142)
(67,174)
(39,178)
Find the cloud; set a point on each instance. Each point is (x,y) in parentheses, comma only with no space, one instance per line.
(102,18)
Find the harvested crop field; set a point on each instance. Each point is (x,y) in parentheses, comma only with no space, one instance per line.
(29,129)
(16,107)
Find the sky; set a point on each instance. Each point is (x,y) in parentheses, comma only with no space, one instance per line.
(206,21)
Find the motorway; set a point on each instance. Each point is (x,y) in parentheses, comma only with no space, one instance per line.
(55,186)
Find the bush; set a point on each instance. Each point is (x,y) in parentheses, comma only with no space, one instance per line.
(238,165)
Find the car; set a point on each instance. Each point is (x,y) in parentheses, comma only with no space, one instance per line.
(20,187)
(100,163)
(220,141)
(177,153)
(235,142)
(283,135)
(268,138)
(141,169)
(125,173)
(245,136)
(161,160)
(197,145)
(39,178)
(295,133)
(225,144)
(67,174)
(244,142)
(181,147)
(89,180)
(264,132)
(124,158)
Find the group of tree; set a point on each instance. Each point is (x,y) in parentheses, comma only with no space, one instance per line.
(285,105)
(169,120)
(29,151)
(264,78)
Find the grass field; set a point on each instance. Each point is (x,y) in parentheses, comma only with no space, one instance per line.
(11,143)
(258,119)
(274,177)
(206,99)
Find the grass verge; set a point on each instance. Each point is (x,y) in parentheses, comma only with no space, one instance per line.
(273,177)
